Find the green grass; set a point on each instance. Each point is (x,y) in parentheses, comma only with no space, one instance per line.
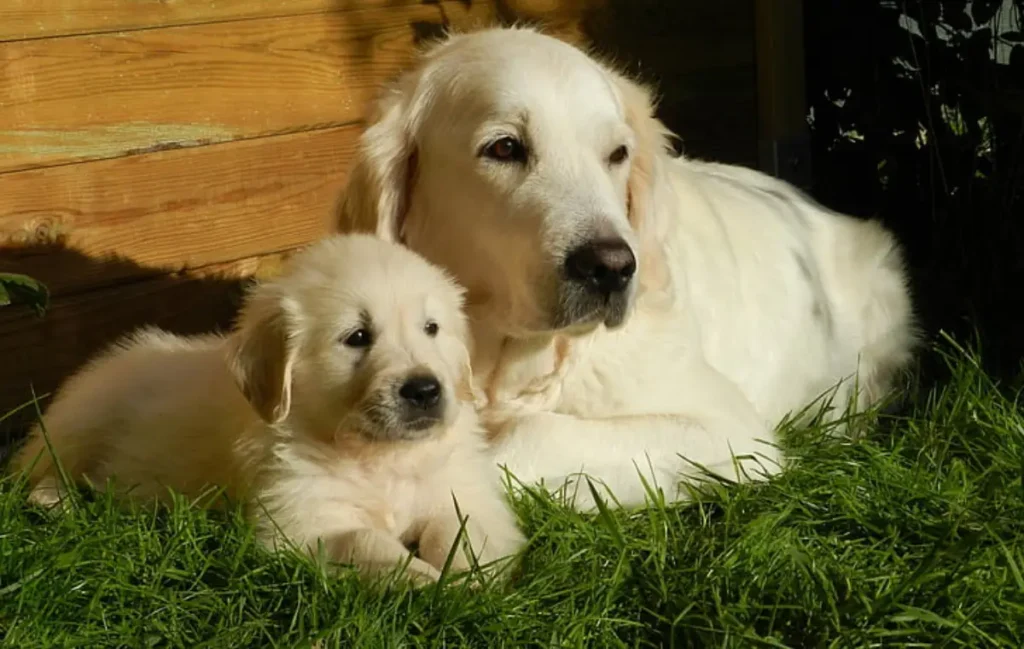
(913,536)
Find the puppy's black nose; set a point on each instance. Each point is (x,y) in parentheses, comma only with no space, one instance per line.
(604,265)
(422,392)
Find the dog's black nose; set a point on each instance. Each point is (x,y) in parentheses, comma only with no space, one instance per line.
(604,265)
(422,392)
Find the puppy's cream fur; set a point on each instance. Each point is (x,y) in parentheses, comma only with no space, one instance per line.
(285,415)
(750,300)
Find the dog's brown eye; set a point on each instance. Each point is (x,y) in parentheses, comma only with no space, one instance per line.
(431,328)
(507,149)
(359,338)
(619,155)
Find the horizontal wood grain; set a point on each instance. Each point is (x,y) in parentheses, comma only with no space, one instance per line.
(38,353)
(23,19)
(142,173)
(85,98)
(171,210)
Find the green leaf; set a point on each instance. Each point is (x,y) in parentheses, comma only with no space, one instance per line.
(22,289)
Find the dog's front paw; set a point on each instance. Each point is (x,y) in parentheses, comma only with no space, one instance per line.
(497,423)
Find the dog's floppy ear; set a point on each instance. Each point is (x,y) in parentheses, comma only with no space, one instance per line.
(261,353)
(376,194)
(652,142)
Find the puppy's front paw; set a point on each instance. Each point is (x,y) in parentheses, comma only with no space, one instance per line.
(50,495)
(489,545)
(419,574)
(416,573)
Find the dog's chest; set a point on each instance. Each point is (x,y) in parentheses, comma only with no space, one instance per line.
(527,377)
(608,373)
(561,377)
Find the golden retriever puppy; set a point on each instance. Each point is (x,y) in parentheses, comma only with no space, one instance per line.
(635,313)
(340,408)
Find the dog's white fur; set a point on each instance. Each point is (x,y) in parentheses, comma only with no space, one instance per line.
(751,301)
(276,415)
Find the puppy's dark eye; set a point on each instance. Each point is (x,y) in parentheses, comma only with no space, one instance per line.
(431,328)
(359,338)
(619,155)
(506,149)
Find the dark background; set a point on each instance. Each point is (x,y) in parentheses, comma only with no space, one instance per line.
(922,128)
(954,196)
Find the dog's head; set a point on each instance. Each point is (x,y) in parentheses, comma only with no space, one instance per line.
(358,335)
(523,166)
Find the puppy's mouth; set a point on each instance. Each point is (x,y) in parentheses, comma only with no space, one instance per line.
(422,423)
(388,424)
(388,416)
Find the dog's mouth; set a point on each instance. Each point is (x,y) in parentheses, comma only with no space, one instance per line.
(579,308)
(597,280)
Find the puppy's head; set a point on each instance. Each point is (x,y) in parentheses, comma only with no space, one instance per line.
(357,336)
(522,165)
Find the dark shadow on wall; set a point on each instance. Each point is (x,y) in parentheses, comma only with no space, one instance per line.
(37,353)
(918,118)
(698,54)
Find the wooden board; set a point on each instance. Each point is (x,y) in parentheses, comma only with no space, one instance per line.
(701,56)
(74,99)
(38,353)
(171,210)
(23,19)
(783,135)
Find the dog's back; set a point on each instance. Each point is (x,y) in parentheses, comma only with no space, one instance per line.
(831,294)
(155,410)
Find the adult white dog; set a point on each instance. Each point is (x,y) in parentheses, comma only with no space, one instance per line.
(635,314)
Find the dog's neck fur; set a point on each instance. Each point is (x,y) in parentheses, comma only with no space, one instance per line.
(518,373)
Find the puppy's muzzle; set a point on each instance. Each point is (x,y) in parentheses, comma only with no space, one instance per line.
(421,403)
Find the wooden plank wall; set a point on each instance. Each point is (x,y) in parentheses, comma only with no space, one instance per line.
(153,153)
(783,134)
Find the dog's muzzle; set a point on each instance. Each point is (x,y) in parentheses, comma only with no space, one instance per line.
(598,278)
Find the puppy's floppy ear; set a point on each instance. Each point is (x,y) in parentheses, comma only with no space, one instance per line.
(376,196)
(261,353)
(652,142)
